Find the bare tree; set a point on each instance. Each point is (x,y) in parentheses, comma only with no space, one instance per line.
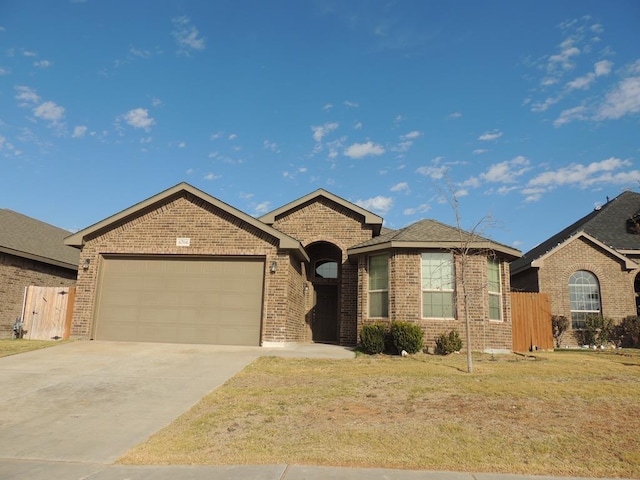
(470,242)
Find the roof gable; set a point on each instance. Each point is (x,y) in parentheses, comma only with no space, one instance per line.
(285,241)
(607,224)
(27,237)
(432,234)
(368,217)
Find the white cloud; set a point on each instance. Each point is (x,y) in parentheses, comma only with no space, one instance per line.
(564,58)
(569,115)
(320,132)
(480,151)
(492,135)
(399,187)
(43,64)
(139,118)
(543,106)
(136,52)
(357,126)
(359,150)
(26,95)
(79,131)
(378,204)
(267,145)
(436,173)
(506,172)
(603,68)
(327,107)
(182,145)
(351,104)
(186,36)
(156,102)
(411,135)
(4,71)
(623,100)
(422,208)
(583,82)
(211,176)
(455,115)
(586,175)
(262,208)
(49,111)
(233,136)
(215,136)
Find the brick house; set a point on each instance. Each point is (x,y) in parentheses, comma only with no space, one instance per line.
(31,253)
(183,266)
(590,267)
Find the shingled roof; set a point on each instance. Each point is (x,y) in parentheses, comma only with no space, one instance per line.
(431,234)
(27,237)
(607,224)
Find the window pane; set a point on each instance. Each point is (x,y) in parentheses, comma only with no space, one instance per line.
(584,295)
(378,304)
(437,271)
(378,272)
(494,307)
(437,304)
(327,269)
(494,276)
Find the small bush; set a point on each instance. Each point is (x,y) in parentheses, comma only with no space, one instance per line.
(406,336)
(559,324)
(373,338)
(627,334)
(448,343)
(597,331)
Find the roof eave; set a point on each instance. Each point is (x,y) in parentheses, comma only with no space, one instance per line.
(39,258)
(510,253)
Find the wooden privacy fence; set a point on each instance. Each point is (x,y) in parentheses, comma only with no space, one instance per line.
(531,321)
(47,312)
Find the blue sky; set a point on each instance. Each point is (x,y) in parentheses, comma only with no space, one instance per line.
(528,110)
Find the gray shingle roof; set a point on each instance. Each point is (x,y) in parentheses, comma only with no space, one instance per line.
(608,224)
(30,238)
(431,234)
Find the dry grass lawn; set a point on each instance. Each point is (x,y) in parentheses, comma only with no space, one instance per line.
(563,413)
(15,346)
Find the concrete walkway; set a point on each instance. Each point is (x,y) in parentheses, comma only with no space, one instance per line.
(70,411)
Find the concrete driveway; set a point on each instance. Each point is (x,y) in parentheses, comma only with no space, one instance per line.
(90,402)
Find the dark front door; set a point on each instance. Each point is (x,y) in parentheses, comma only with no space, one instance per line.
(325,314)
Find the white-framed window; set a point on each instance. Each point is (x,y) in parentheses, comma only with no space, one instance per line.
(379,286)
(584,295)
(495,290)
(438,285)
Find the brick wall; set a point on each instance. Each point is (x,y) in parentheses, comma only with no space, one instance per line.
(405,299)
(322,220)
(617,294)
(212,232)
(16,273)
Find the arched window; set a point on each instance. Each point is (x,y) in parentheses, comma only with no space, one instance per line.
(584,293)
(326,268)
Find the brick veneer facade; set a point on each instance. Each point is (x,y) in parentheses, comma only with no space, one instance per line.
(617,294)
(16,273)
(212,231)
(405,299)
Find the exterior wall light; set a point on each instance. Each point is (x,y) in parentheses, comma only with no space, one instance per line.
(273,267)
(85,265)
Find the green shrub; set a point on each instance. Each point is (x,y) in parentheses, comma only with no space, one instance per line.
(627,334)
(597,330)
(448,343)
(373,338)
(406,336)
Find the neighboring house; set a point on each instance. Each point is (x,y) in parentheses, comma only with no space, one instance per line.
(31,253)
(590,267)
(185,267)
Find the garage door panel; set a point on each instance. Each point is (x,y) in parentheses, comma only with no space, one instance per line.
(178,300)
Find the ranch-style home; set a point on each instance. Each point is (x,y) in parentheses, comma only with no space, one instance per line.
(31,253)
(592,267)
(183,266)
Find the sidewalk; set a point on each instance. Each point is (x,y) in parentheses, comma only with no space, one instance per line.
(39,470)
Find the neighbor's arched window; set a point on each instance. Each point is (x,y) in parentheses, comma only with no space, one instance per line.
(584,293)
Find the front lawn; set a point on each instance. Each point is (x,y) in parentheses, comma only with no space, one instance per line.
(13,346)
(559,414)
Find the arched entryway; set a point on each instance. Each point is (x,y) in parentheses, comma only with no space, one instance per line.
(324,274)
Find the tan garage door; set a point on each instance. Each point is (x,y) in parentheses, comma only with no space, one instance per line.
(178,300)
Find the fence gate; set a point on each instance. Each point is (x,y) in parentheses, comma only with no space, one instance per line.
(47,312)
(531,321)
